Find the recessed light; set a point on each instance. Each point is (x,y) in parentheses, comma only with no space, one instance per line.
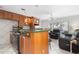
(36,5)
(23,9)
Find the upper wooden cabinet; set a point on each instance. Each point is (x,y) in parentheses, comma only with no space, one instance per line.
(5,14)
(16,16)
(1,14)
(11,16)
(23,20)
(31,21)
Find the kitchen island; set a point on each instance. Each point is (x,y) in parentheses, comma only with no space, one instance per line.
(34,41)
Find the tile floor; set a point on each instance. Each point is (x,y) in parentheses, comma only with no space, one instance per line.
(55,48)
(8,49)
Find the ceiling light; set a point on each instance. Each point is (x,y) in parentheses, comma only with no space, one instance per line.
(36,5)
(23,9)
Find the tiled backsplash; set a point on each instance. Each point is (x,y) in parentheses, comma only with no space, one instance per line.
(5,28)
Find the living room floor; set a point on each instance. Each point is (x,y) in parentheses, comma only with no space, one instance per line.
(53,49)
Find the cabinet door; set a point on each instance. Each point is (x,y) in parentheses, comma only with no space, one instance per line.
(21,44)
(24,45)
(22,20)
(5,15)
(36,43)
(1,14)
(15,16)
(39,43)
(45,42)
(10,16)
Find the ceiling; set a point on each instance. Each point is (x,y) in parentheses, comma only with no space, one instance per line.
(66,10)
(43,11)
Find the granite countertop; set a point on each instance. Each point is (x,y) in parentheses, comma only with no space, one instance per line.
(35,30)
(24,31)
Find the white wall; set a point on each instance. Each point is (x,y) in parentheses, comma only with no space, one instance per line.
(73,22)
(5,28)
(45,24)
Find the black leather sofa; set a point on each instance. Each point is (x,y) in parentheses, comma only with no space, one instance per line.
(54,34)
(64,43)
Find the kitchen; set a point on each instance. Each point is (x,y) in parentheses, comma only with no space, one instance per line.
(29,29)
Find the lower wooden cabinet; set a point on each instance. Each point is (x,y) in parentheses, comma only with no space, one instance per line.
(36,43)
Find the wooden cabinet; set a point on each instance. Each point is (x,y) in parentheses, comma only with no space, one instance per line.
(22,20)
(31,21)
(1,14)
(5,15)
(10,16)
(37,43)
(24,45)
(16,16)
